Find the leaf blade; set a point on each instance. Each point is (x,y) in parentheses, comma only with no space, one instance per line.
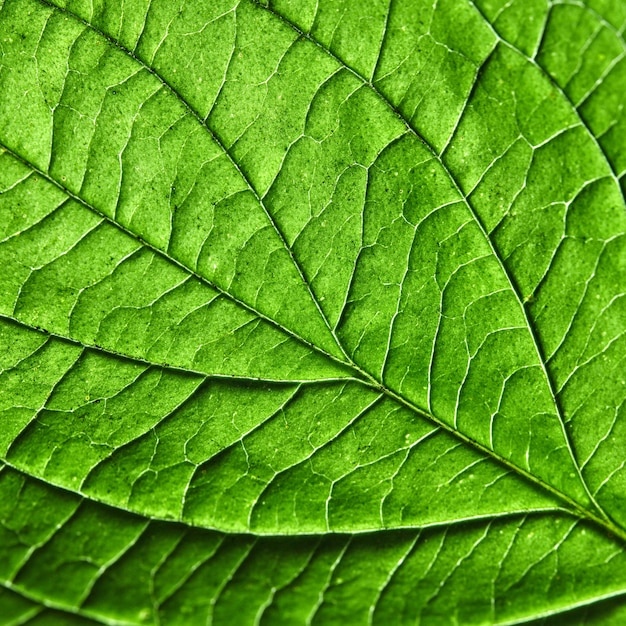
(503,356)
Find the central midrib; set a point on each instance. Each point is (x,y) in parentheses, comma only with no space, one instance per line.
(361,375)
(601,518)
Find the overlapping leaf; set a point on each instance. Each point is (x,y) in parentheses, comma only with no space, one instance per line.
(312,267)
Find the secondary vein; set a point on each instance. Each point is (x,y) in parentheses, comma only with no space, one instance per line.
(479,222)
(203,122)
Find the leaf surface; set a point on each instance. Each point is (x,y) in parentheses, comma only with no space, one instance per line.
(310,268)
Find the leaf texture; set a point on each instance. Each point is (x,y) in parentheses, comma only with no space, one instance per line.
(312,311)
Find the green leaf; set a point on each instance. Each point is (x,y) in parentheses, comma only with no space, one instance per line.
(312,312)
